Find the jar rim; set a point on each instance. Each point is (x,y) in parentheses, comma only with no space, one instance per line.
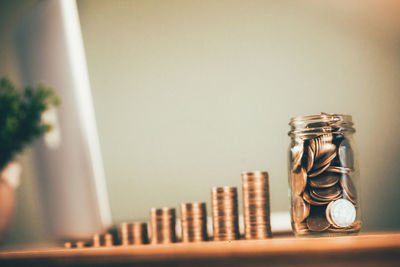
(320,124)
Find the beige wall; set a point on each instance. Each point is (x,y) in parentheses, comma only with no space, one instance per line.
(190,93)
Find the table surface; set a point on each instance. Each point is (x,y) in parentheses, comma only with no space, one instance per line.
(381,249)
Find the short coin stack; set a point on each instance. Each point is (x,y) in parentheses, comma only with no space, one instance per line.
(256,207)
(163,223)
(133,233)
(224,205)
(194,222)
(323,195)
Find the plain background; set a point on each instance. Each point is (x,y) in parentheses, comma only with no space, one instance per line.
(188,94)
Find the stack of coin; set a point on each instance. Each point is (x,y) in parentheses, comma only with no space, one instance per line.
(163,222)
(256,207)
(224,205)
(194,222)
(97,241)
(324,197)
(133,233)
(108,240)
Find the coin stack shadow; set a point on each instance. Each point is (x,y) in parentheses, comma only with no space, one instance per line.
(194,222)
(256,206)
(163,222)
(320,177)
(224,209)
(133,233)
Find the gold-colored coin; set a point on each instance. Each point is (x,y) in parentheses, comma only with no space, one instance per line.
(194,222)
(339,169)
(297,153)
(326,179)
(299,181)
(329,193)
(327,159)
(108,240)
(311,201)
(316,221)
(224,211)
(310,159)
(256,209)
(319,171)
(163,223)
(348,186)
(301,209)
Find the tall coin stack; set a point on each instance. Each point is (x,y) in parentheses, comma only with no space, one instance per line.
(224,205)
(133,233)
(194,222)
(256,207)
(163,222)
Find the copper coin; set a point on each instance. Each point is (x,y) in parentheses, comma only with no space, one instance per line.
(326,179)
(297,153)
(312,145)
(319,171)
(327,159)
(346,196)
(326,193)
(348,186)
(316,221)
(301,209)
(356,226)
(310,200)
(339,169)
(310,158)
(346,155)
(299,181)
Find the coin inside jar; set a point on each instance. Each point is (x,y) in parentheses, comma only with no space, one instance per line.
(326,179)
(327,159)
(341,213)
(297,153)
(301,209)
(310,158)
(329,193)
(319,171)
(338,169)
(317,221)
(311,201)
(299,180)
(348,186)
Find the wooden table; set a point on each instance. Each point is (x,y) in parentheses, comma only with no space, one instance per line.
(362,250)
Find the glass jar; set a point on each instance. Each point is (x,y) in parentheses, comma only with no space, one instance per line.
(323,176)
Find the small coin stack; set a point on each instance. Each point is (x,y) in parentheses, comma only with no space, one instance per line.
(194,222)
(224,208)
(163,222)
(133,233)
(324,197)
(256,207)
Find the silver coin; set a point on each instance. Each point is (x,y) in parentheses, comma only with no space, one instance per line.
(342,213)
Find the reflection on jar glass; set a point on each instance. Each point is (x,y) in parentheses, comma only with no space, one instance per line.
(323,176)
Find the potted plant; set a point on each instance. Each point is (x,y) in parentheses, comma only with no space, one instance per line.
(20,123)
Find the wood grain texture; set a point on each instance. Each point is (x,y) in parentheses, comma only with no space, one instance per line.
(362,250)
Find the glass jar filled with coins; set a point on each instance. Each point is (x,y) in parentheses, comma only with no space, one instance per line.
(323,176)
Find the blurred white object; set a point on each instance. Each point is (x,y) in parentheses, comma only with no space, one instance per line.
(12,174)
(70,170)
